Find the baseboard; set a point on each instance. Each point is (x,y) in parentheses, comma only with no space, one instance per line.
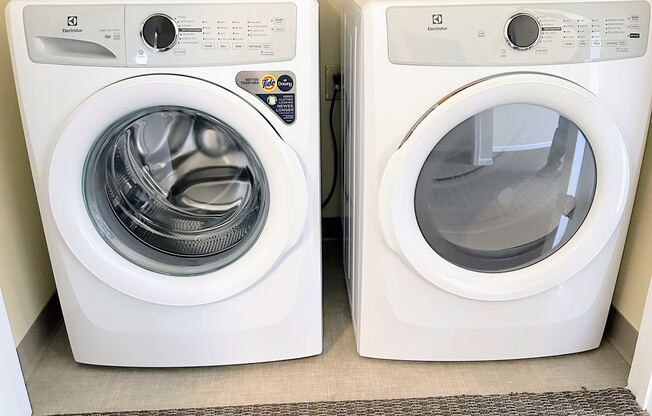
(331,228)
(622,335)
(38,337)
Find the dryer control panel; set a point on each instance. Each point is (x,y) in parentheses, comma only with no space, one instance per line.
(162,35)
(517,34)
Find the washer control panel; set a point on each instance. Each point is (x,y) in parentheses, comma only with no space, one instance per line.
(210,34)
(161,35)
(517,34)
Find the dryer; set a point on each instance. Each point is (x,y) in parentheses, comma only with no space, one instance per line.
(175,155)
(493,150)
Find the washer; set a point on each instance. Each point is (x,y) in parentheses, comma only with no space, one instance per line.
(175,154)
(493,151)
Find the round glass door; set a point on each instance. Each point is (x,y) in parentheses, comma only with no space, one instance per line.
(175,190)
(506,188)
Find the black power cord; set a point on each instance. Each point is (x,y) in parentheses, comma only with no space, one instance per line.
(331,191)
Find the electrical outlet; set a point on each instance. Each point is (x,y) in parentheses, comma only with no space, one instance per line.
(330,71)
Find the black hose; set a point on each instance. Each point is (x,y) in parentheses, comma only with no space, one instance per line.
(331,191)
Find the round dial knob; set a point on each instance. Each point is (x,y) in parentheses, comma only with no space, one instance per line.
(522,31)
(159,32)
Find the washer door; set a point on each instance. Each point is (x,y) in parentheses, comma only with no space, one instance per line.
(175,191)
(506,188)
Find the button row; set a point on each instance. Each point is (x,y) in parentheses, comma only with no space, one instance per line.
(596,42)
(237,46)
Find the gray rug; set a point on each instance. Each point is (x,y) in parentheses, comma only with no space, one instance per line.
(615,401)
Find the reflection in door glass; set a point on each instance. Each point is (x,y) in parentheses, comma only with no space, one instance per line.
(506,188)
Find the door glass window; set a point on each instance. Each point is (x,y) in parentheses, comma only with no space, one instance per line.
(506,188)
(176,191)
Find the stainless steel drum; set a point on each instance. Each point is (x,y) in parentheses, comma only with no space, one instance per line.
(176,191)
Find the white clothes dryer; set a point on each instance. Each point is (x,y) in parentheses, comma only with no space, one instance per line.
(175,154)
(493,151)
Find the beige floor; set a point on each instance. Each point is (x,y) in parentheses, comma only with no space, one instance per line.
(59,385)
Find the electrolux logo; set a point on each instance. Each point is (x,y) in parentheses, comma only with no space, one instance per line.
(437,23)
(72,22)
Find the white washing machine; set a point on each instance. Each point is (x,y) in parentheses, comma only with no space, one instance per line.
(175,153)
(493,151)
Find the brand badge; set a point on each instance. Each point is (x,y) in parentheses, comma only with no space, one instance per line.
(268,82)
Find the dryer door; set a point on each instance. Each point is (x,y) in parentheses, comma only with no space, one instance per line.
(175,191)
(507,187)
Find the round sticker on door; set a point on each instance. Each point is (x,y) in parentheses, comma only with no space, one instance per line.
(268,82)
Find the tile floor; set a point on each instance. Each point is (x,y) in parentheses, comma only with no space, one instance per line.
(59,385)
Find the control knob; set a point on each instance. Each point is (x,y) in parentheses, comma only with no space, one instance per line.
(160,32)
(522,32)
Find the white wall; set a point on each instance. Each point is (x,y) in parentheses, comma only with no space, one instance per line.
(26,277)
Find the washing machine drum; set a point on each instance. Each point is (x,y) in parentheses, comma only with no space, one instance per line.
(175,190)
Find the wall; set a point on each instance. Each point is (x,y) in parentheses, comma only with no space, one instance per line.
(26,277)
(636,267)
(329,54)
